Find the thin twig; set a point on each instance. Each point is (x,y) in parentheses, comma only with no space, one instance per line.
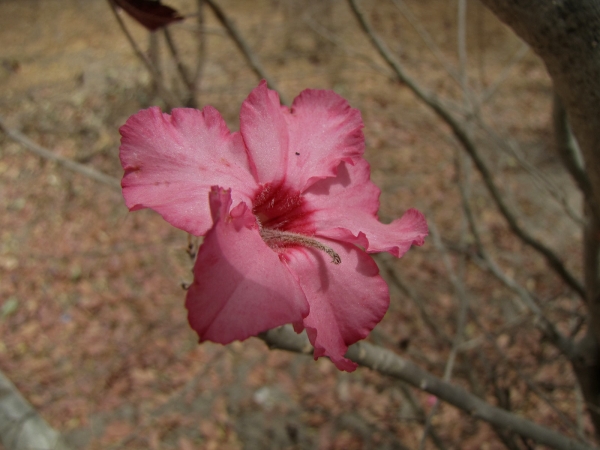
(470,147)
(427,39)
(243,46)
(390,364)
(508,327)
(462,50)
(181,69)
(564,344)
(489,337)
(526,379)
(420,412)
(168,97)
(461,321)
(155,60)
(507,438)
(201,41)
(331,37)
(399,282)
(66,162)
(509,147)
(502,76)
(567,147)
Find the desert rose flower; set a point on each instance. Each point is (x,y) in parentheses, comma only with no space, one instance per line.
(287,211)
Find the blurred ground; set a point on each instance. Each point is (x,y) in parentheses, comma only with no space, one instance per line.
(93,327)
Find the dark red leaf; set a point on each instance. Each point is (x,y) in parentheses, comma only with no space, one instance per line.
(150,13)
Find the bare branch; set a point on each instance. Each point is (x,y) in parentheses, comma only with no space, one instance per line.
(66,162)
(567,147)
(183,71)
(470,147)
(331,37)
(564,344)
(416,406)
(388,363)
(167,96)
(461,319)
(201,41)
(462,47)
(399,282)
(526,379)
(460,291)
(537,175)
(501,78)
(243,46)
(427,39)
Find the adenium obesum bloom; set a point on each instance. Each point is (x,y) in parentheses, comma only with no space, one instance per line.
(287,211)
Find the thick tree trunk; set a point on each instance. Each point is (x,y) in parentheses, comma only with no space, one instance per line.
(566,35)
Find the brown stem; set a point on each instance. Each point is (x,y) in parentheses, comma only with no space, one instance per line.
(567,147)
(388,363)
(89,172)
(462,136)
(167,96)
(201,40)
(241,44)
(182,70)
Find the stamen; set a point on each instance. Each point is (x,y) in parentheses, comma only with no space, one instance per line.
(286,237)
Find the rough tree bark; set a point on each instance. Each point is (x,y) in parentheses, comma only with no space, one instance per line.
(566,35)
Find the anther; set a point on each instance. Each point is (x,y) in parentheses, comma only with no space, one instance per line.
(285,237)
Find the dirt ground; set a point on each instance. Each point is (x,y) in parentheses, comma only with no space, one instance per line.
(92,324)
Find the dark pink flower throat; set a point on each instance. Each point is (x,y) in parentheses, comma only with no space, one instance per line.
(284,220)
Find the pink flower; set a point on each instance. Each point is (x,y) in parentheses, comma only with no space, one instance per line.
(287,211)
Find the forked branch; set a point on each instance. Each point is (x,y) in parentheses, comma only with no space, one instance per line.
(168,97)
(243,46)
(388,363)
(467,143)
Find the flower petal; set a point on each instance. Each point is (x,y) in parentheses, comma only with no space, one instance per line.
(240,286)
(171,161)
(345,208)
(265,133)
(323,131)
(346,300)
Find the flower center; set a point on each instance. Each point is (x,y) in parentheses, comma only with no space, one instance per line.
(284,220)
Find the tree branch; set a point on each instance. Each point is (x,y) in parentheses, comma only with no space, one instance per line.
(537,175)
(395,278)
(427,39)
(565,35)
(388,363)
(167,96)
(184,74)
(470,147)
(201,49)
(243,46)
(564,344)
(461,319)
(567,148)
(66,162)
